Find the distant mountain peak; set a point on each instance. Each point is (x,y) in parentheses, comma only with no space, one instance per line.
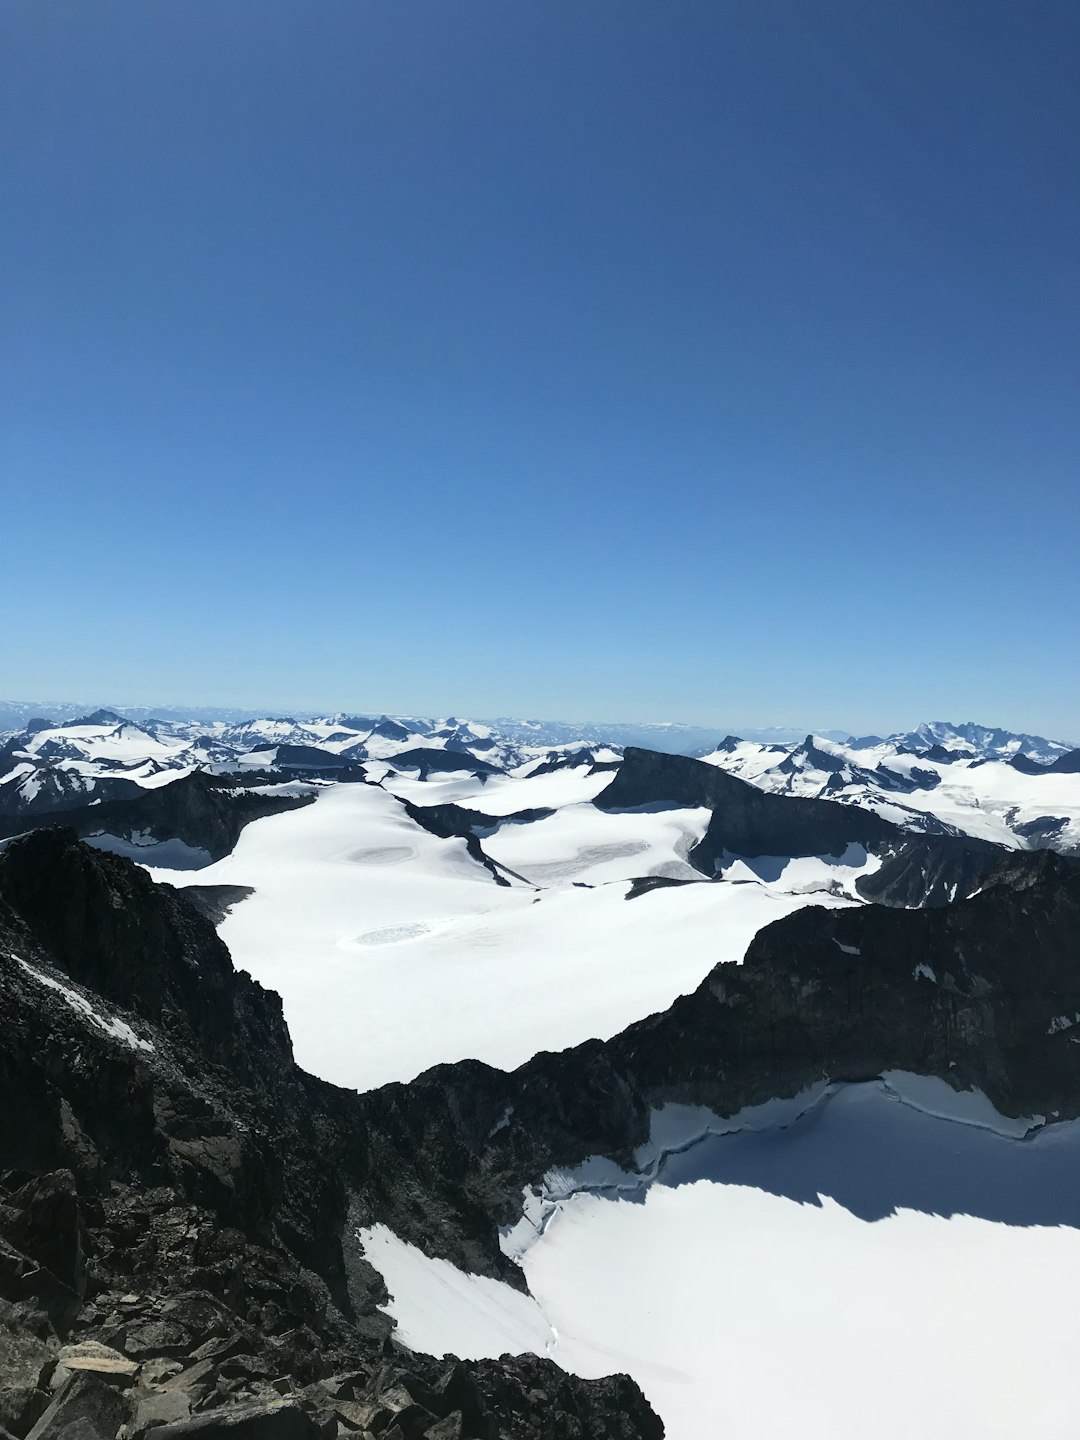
(97,717)
(988,742)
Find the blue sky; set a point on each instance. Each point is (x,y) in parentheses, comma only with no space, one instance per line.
(712,361)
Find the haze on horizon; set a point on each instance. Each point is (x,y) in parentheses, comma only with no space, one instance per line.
(15,712)
(715,363)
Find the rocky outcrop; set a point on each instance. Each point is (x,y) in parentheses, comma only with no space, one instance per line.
(450,820)
(206,812)
(431,761)
(573,759)
(930,870)
(745,820)
(216,901)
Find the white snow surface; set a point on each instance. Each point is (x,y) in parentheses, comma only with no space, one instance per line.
(863,1266)
(394,951)
(803,874)
(504,794)
(580,842)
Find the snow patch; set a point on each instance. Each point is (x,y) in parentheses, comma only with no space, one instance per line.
(442,1310)
(116,1028)
(756,1245)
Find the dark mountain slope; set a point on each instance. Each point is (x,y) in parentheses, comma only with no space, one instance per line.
(430,761)
(931,870)
(205,811)
(745,820)
(25,795)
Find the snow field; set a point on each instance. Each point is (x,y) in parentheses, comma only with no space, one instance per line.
(394,950)
(869,1269)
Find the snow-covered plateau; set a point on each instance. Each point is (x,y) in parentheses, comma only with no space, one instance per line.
(368,926)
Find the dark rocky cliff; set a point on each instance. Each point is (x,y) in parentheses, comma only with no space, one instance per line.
(205,811)
(745,820)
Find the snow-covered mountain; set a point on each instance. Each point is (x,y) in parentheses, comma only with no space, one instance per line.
(929,789)
(102,756)
(939,779)
(987,742)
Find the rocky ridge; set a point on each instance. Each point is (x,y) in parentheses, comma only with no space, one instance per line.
(204,811)
(917,869)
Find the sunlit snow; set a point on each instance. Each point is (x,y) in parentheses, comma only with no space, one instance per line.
(394,951)
(868,1269)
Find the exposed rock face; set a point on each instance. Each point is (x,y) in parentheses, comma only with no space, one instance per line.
(205,811)
(745,820)
(931,870)
(142,947)
(429,760)
(216,901)
(175,1191)
(52,789)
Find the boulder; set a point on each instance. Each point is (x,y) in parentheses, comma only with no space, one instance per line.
(196,1382)
(25,1366)
(92,1355)
(202,1315)
(49,1227)
(159,1408)
(35,1292)
(448,1428)
(283,1420)
(166,1338)
(85,1398)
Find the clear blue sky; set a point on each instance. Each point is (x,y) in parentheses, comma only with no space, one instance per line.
(713,361)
